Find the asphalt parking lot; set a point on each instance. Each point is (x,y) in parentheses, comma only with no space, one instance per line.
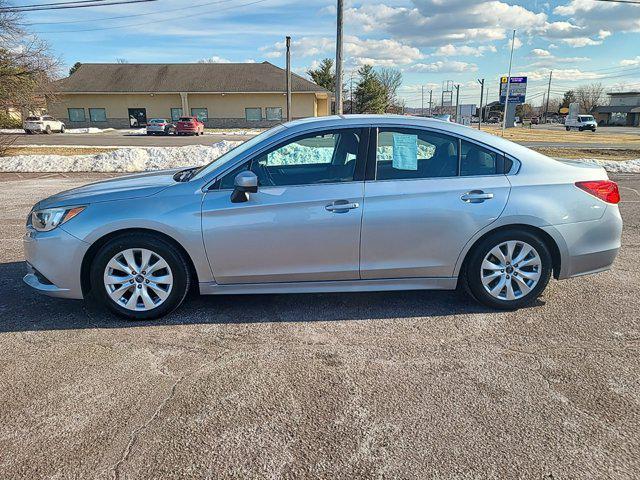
(367,385)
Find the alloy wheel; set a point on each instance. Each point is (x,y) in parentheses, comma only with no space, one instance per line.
(138,279)
(511,270)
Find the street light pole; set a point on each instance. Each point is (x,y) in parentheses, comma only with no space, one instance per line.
(339,59)
(430,103)
(481,82)
(506,98)
(288,42)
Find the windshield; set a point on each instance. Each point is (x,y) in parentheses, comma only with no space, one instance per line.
(185,119)
(586,118)
(158,120)
(231,154)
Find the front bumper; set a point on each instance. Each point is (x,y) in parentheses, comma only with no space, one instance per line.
(54,261)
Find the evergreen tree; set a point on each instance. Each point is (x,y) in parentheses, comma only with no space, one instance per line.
(323,75)
(370,94)
(75,67)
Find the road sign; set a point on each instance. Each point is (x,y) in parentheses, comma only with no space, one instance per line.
(517,89)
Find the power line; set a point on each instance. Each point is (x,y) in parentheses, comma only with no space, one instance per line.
(69,5)
(151,22)
(190,7)
(631,2)
(55,3)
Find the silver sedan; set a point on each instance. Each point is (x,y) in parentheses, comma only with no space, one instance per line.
(355,203)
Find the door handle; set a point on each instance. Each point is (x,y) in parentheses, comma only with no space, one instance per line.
(341,206)
(476,196)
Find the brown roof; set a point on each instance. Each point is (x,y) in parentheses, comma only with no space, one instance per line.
(182,77)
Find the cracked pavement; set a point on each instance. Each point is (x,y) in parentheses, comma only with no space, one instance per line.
(360,385)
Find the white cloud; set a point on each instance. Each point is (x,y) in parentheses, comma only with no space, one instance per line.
(581,42)
(440,66)
(357,51)
(517,43)
(562,74)
(539,52)
(451,50)
(630,62)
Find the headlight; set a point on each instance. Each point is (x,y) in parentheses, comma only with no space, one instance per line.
(50,218)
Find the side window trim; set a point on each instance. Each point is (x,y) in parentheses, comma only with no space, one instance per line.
(358,174)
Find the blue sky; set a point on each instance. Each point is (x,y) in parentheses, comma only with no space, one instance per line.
(431,41)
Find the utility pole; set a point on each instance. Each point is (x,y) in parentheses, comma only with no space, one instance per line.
(339,59)
(288,79)
(457,99)
(546,108)
(422,107)
(481,82)
(430,103)
(506,98)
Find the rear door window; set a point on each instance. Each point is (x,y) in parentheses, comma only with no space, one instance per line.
(407,153)
(477,160)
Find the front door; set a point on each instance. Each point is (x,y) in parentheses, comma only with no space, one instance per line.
(303,224)
(137,117)
(431,193)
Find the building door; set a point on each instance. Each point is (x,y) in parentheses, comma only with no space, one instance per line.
(138,117)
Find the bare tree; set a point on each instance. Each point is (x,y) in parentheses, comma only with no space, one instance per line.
(391,79)
(27,66)
(589,96)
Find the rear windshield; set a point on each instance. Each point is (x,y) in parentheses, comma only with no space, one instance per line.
(33,119)
(585,118)
(185,119)
(158,120)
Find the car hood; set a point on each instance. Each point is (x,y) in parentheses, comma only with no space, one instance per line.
(121,188)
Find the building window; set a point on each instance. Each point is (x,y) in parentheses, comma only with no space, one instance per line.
(97,115)
(176,113)
(76,114)
(253,114)
(200,113)
(274,113)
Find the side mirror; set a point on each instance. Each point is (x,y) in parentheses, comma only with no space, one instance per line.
(245,183)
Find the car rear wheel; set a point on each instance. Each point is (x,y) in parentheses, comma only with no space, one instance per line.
(140,276)
(509,269)
(62,129)
(47,130)
(567,128)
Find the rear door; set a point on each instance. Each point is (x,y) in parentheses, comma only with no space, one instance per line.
(303,224)
(426,194)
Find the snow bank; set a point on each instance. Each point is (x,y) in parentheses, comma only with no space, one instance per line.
(11,131)
(626,166)
(87,130)
(122,160)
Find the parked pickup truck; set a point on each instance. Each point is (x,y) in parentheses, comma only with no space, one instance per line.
(581,122)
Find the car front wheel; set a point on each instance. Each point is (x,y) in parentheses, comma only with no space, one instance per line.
(509,269)
(140,276)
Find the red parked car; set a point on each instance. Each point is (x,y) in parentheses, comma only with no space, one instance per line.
(190,126)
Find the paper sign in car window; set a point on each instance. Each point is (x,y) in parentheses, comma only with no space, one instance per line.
(405,151)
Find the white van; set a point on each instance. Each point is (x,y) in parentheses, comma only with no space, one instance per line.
(581,122)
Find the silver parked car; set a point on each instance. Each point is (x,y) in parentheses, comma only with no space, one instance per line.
(353,203)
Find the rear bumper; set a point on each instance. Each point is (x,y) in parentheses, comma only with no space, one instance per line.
(54,262)
(588,247)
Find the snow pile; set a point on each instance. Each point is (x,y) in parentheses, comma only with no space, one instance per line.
(87,130)
(626,166)
(234,132)
(10,131)
(121,160)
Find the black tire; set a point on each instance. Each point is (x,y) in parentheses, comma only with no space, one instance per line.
(29,132)
(62,128)
(593,130)
(567,128)
(173,257)
(472,272)
(47,130)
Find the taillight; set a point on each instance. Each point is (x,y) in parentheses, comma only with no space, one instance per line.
(605,190)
